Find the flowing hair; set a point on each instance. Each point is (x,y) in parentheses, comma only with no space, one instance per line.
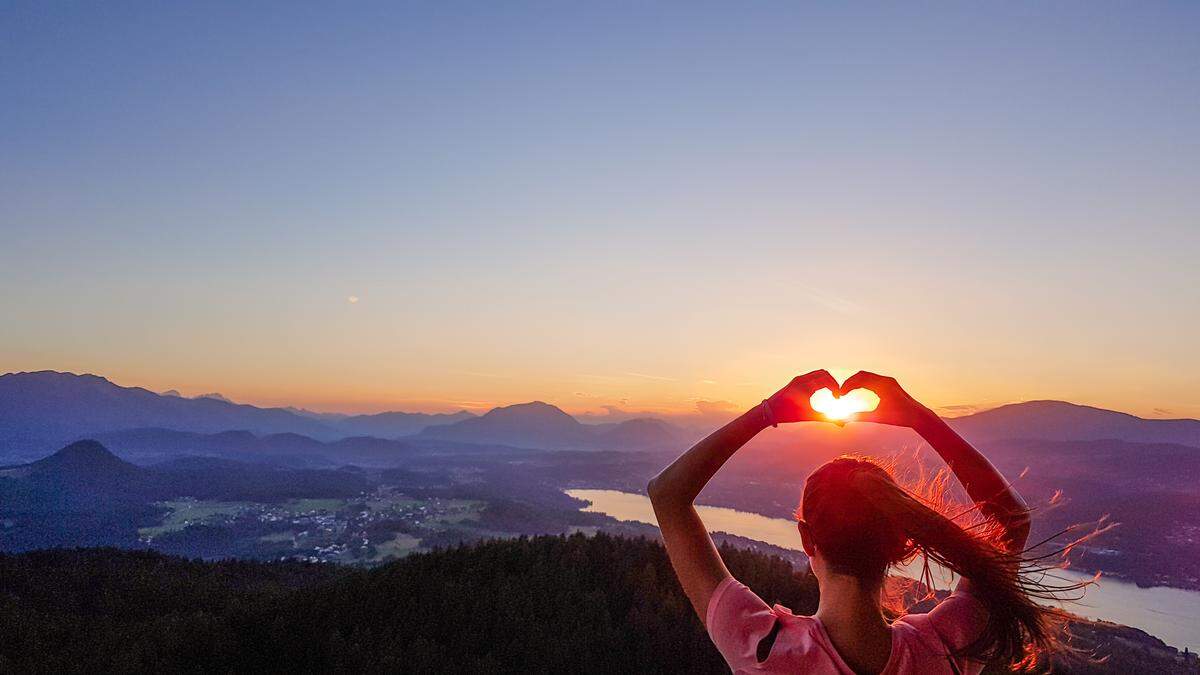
(864,522)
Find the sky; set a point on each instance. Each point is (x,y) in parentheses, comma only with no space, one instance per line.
(606,206)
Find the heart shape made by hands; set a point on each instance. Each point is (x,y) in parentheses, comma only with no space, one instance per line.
(842,408)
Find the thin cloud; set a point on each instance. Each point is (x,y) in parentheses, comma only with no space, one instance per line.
(475,405)
(659,378)
(831,301)
(714,407)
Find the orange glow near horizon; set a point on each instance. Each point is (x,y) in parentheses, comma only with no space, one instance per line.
(843,407)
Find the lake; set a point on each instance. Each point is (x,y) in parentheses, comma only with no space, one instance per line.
(1171,614)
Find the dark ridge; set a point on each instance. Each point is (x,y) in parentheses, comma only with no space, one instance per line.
(544,604)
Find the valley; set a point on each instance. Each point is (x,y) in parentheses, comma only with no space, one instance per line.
(362,501)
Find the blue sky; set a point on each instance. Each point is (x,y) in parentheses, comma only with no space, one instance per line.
(552,200)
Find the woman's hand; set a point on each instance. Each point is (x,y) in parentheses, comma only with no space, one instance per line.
(895,407)
(987,487)
(791,404)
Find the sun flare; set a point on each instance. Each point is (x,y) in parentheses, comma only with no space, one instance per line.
(844,407)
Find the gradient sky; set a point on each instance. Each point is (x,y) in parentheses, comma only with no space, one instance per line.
(604,204)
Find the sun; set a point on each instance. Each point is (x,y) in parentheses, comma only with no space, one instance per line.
(844,407)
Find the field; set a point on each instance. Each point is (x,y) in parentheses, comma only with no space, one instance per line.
(184,512)
(368,530)
(299,506)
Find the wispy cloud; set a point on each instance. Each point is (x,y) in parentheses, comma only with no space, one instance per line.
(645,376)
(832,301)
(714,407)
(961,409)
(473,405)
(591,376)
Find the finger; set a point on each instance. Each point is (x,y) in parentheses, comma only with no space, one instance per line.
(821,379)
(862,380)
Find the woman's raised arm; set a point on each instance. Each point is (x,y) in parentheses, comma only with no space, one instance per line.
(986,486)
(673,491)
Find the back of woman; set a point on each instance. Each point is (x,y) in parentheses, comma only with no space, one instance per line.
(756,638)
(855,523)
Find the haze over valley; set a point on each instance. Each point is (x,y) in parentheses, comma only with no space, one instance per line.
(89,463)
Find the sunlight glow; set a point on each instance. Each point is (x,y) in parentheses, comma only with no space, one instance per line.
(844,407)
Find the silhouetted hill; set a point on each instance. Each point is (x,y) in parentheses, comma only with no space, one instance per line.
(150,445)
(541,425)
(535,424)
(81,495)
(84,495)
(85,461)
(544,605)
(639,433)
(1062,421)
(76,474)
(395,424)
(43,410)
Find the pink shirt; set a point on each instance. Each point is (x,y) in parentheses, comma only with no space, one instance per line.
(921,643)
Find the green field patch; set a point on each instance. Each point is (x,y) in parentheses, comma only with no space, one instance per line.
(399,546)
(455,511)
(297,506)
(184,512)
(392,502)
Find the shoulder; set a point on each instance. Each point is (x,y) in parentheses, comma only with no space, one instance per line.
(739,621)
(953,624)
(957,620)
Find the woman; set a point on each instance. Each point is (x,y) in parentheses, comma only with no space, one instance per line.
(855,522)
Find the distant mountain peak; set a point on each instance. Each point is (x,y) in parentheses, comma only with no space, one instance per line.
(174,393)
(530,410)
(1063,421)
(216,397)
(86,448)
(538,424)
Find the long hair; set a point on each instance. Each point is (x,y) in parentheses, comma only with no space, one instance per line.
(863,522)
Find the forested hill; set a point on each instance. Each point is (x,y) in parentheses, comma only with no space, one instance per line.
(548,604)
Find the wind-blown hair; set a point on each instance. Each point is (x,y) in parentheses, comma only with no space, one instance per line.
(863,523)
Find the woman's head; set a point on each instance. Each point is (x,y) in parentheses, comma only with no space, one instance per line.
(842,531)
(855,519)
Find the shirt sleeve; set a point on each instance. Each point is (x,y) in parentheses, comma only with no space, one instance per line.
(737,620)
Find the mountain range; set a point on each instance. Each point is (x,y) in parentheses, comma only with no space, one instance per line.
(41,411)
